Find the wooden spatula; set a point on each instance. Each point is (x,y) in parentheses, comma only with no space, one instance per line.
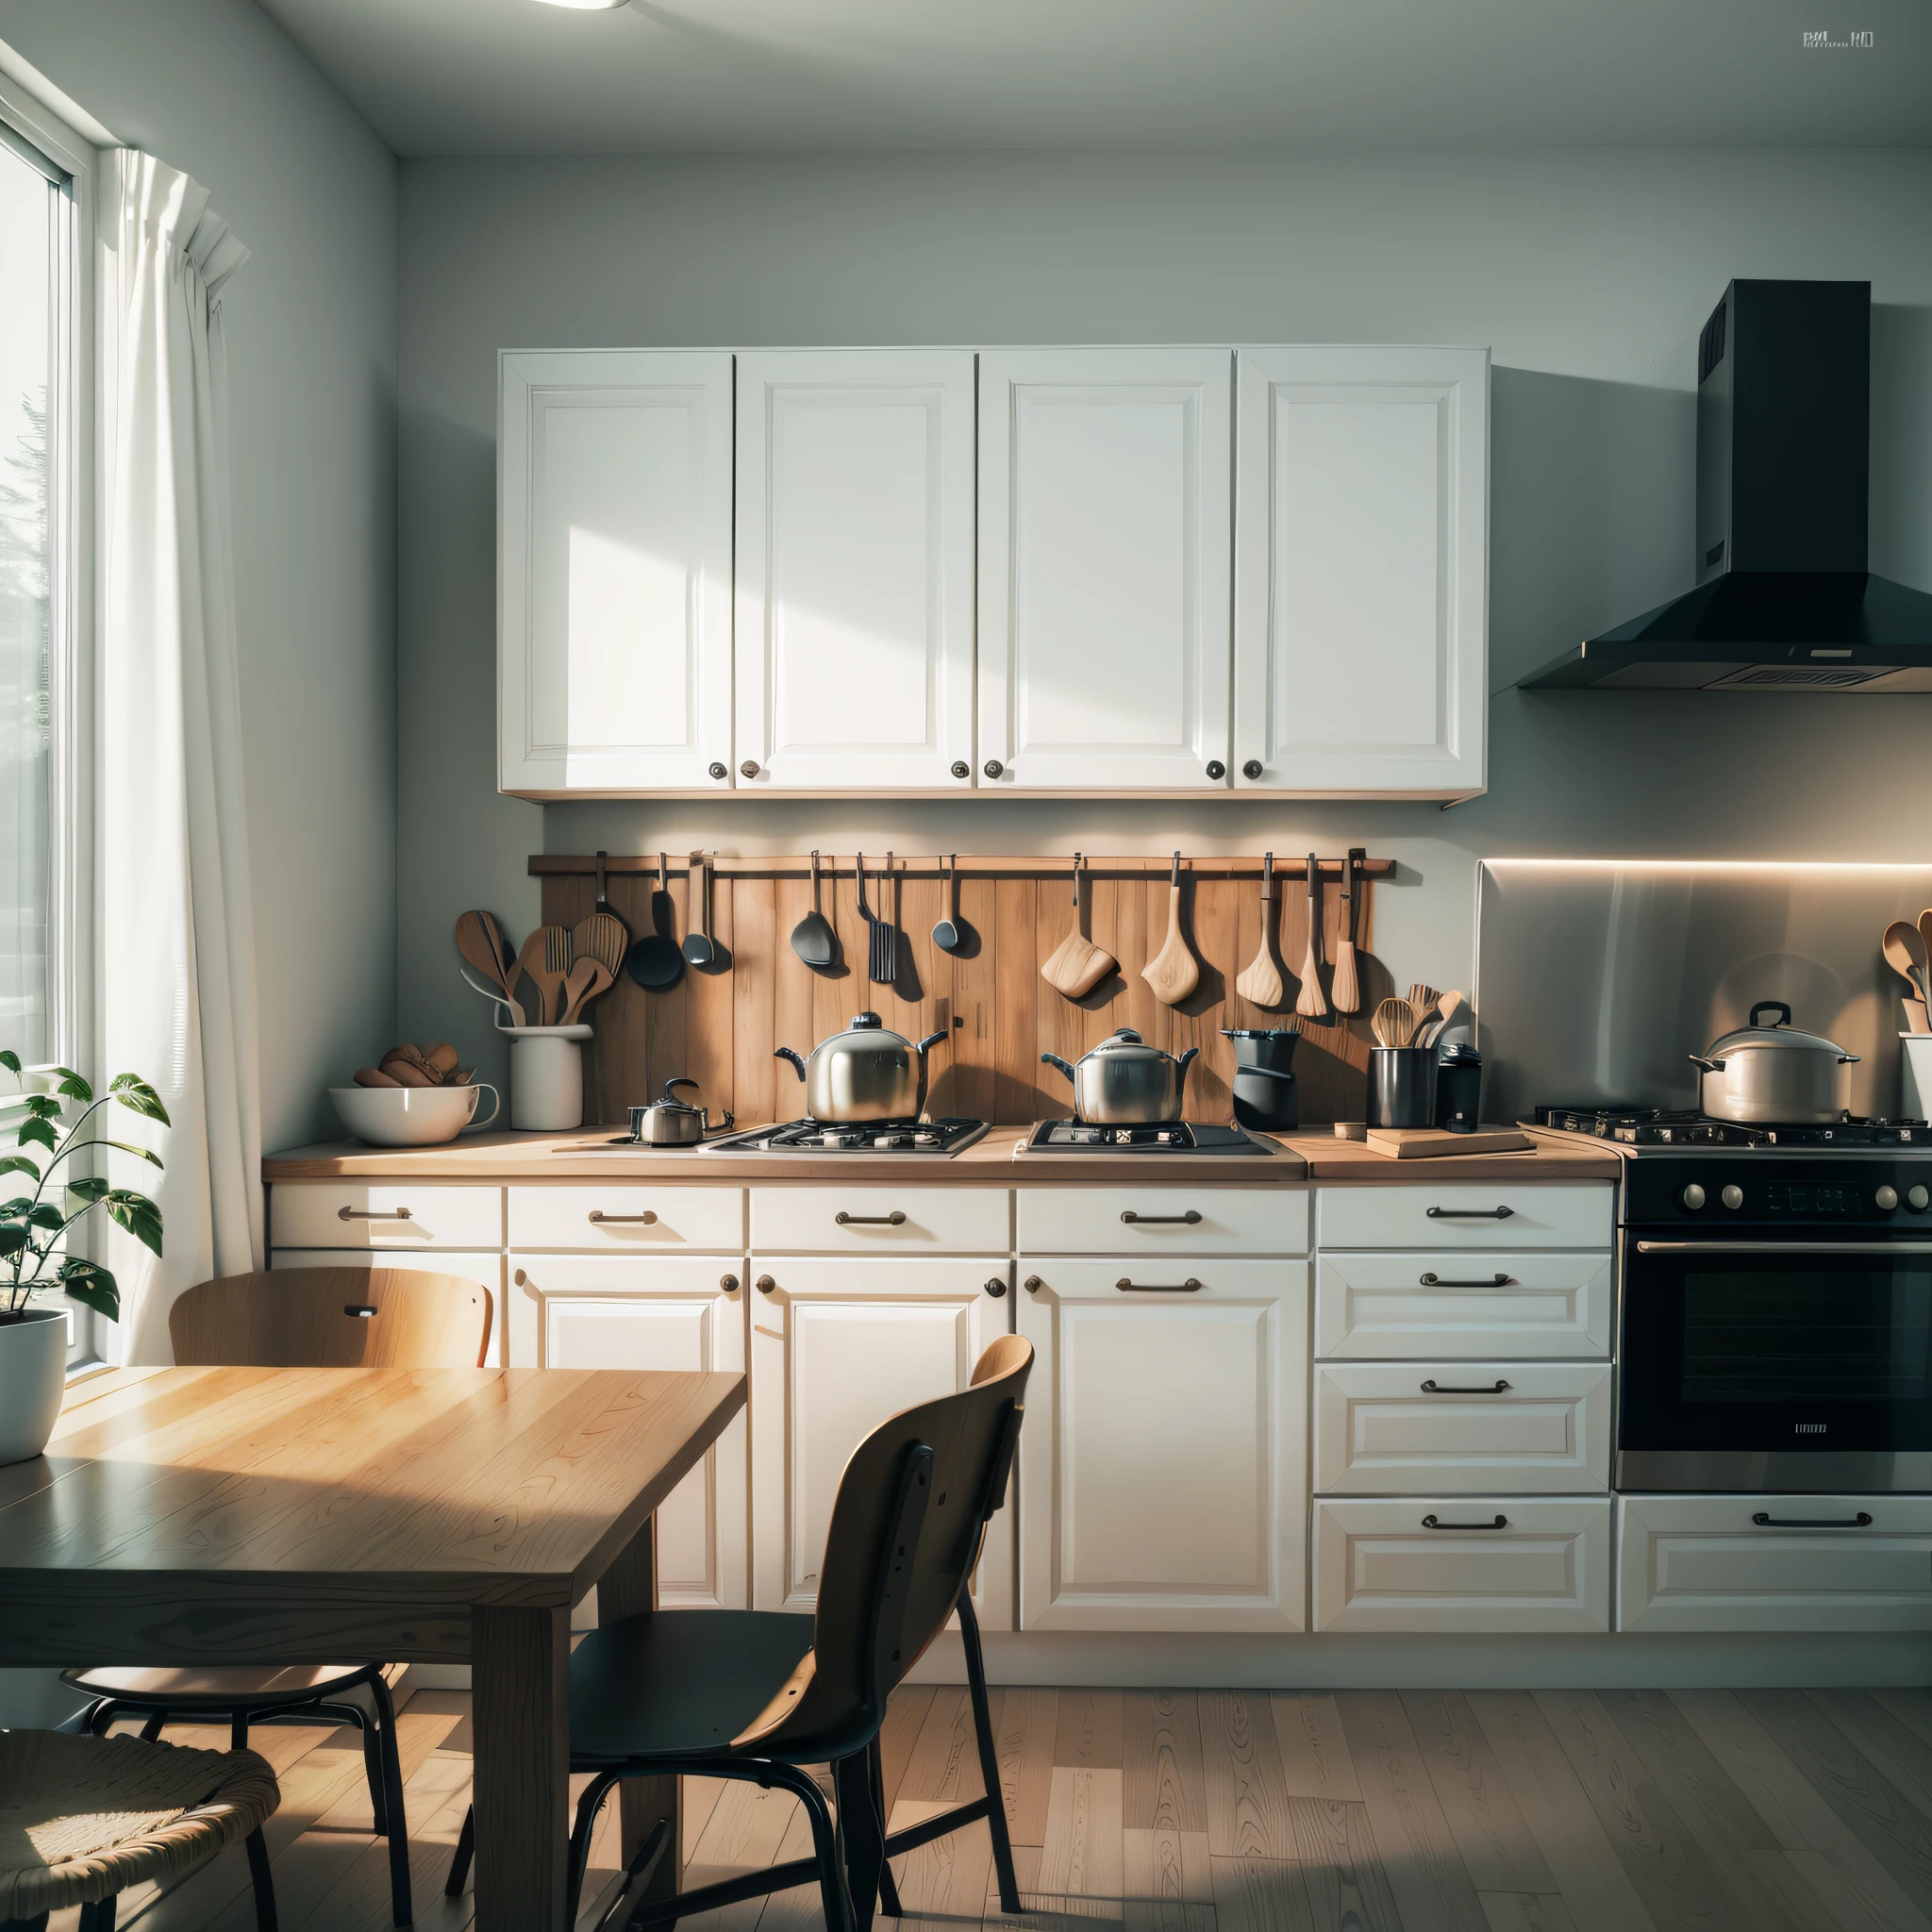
(586,979)
(1173,972)
(1076,965)
(547,945)
(480,942)
(1342,987)
(1260,984)
(603,936)
(1308,1001)
(1393,1023)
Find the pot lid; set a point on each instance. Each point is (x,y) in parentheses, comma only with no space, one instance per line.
(1780,1034)
(867,1029)
(1125,1043)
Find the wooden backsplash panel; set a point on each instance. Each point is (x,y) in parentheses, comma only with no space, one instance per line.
(719,1026)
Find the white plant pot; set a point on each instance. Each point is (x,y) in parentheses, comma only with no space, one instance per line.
(33,1378)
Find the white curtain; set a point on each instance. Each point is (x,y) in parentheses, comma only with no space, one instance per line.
(176,935)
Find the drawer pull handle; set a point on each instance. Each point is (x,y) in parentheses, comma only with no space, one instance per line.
(1763,1519)
(764,1284)
(1470,1213)
(895,1219)
(1187,1286)
(373,1214)
(728,1283)
(647,1219)
(996,1287)
(361,1311)
(1432,1387)
(1190,1219)
(1433,1522)
(1033,1284)
(1434,1280)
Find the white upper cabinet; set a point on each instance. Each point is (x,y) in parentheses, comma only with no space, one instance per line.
(615,571)
(1361,578)
(855,570)
(1104,568)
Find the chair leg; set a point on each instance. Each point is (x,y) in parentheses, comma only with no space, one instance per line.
(260,1878)
(372,1774)
(989,1754)
(460,1858)
(582,1831)
(152,1729)
(888,1886)
(826,1842)
(237,1731)
(394,1824)
(865,1840)
(100,1714)
(99,1916)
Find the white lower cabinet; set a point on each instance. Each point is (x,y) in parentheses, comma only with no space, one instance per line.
(607,1312)
(1437,1564)
(1774,1563)
(1163,1462)
(836,1346)
(485,1268)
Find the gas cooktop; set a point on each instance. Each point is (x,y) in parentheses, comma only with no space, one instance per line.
(854,1137)
(1155,1136)
(1634,1128)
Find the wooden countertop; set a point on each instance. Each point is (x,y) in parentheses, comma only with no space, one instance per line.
(991,1163)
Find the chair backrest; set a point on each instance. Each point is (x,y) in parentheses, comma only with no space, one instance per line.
(332,1318)
(906,1528)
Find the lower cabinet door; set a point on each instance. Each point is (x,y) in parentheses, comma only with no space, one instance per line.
(485,1268)
(1163,1459)
(609,1311)
(836,1346)
(1774,1563)
(1463,1563)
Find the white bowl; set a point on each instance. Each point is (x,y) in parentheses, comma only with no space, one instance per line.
(410,1116)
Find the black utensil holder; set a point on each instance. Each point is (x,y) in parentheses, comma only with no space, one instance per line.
(1402,1086)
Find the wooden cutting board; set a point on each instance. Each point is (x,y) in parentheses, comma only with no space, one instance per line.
(1430,1143)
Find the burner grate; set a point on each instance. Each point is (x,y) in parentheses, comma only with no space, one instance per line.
(1152,1137)
(946,1136)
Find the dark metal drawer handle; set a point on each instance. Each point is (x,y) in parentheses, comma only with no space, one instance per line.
(646,1218)
(1764,1520)
(361,1311)
(1471,1214)
(373,1214)
(895,1219)
(1434,1388)
(1435,1280)
(1190,1219)
(1435,1522)
(1187,1286)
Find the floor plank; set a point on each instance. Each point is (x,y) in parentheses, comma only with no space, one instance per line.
(1082,1856)
(1315,1754)
(1090,1730)
(1165,1788)
(1901,1754)
(945,1761)
(1024,1726)
(1525,1911)
(948,1878)
(1247,1801)
(904,1715)
(1168,1886)
(1345,1882)
(1262,1895)
(1498,1848)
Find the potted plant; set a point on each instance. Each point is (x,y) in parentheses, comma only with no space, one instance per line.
(33,1233)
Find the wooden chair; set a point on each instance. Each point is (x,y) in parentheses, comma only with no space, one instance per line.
(377,1318)
(759,1694)
(89,1817)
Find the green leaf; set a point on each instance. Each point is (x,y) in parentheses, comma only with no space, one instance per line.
(15,1209)
(72,1085)
(89,1187)
(9,1059)
(133,1091)
(146,1154)
(90,1284)
(19,1163)
(13,1238)
(43,1107)
(38,1131)
(46,1215)
(137,1215)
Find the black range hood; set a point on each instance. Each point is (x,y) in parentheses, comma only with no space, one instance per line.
(1784,601)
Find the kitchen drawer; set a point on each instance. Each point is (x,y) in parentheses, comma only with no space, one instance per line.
(1465,1216)
(806,1220)
(1539,1428)
(1155,1281)
(1477,1305)
(603,1218)
(485,1268)
(1380,1567)
(1156,1221)
(1701,1563)
(384,1214)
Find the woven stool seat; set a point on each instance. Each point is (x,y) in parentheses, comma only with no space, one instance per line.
(82,1818)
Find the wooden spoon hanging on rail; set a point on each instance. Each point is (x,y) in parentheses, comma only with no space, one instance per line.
(1173,972)
(1308,1001)
(1260,982)
(1076,965)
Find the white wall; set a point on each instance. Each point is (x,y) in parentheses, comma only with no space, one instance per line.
(214,87)
(1589,273)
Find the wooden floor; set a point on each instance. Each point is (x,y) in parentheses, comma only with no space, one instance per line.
(1231,1812)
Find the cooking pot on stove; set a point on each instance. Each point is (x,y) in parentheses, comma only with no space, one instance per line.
(673,1122)
(1124,1080)
(868,1073)
(1762,1075)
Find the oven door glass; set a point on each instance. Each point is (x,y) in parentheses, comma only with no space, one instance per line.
(1786,1351)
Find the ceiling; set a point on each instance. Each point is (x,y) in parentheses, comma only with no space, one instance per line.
(512,76)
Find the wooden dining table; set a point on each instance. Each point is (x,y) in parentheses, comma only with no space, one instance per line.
(241,1515)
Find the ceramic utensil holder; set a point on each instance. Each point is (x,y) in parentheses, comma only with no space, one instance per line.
(1915,1075)
(547,1078)
(1401,1087)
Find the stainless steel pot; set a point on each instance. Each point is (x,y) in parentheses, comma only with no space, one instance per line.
(1124,1080)
(672,1122)
(1761,1076)
(868,1073)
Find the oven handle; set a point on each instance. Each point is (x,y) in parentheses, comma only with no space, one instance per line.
(1792,1247)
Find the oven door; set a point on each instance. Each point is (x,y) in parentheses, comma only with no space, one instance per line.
(1776,1365)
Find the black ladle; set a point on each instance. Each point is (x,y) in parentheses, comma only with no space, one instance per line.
(654,961)
(946,935)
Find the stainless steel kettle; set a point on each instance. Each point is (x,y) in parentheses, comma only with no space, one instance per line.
(1125,1081)
(868,1073)
(672,1122)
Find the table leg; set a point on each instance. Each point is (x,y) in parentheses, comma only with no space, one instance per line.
(629,1585)
(520,1690)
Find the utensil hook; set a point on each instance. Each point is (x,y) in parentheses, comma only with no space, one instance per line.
(1077,882)
(1175,876)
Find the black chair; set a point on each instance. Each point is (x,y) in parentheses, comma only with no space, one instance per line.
(760,1695)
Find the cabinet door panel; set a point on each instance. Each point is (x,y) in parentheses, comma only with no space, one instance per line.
(1470,1306)
(614,560)
(1103,572)
(1361,546)
(855,567)
(1164,1454)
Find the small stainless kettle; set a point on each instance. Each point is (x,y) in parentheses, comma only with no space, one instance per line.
(672,1122)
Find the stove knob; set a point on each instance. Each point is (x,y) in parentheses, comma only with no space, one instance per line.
(1917,1200)
(1692,1198)
(1733,1196)
(1887,1198)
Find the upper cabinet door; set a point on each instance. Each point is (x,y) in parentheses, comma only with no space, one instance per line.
(1361,569)
(615,571)
(855,570)
(1103,564)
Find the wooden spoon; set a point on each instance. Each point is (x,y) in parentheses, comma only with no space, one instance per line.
(586,979)
(1342,987)
(1076,965)
(481,942)
(1392,1022)
(1447,1007)
(1905,953)
(603,936)
(1260,983)
(1925,942)
(1173,972)
(1308,1001)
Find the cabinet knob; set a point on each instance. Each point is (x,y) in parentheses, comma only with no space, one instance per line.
(1216,769)
(1252,769)
(993,768)
(1033,1284)
(750,768)
(728,1283)
(764,1284)
(719,769)
(996,1287)
(961,769)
